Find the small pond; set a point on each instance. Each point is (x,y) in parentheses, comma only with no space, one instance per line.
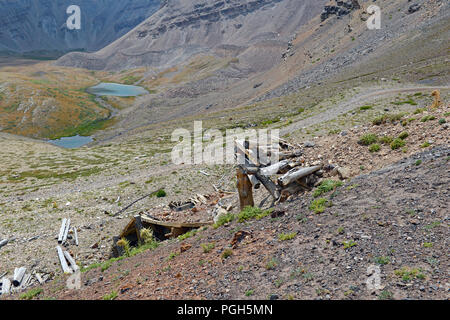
(116,89)
(72,142)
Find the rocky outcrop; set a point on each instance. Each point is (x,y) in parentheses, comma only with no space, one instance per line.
(40,25)
(341,8)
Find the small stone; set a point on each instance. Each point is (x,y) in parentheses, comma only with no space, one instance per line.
(273,297)
(309,144)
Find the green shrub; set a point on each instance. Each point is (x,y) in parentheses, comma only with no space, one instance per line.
(207,247)
(397,143)
(374,147)
(30,294)
(318,205)
(386,140)
(223,219)
(368,139)
(161,193)
(442,121)
(226,253)
(425,144)
(113,295)
(403,135)
(287,236)
(326,186)
(367,107)
(252,213)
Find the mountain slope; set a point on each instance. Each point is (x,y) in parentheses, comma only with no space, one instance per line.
(40,25)
(182,28)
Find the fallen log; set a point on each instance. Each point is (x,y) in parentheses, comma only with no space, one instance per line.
(71,260)
(3,242)
(25,281)
(75,234)
(63,261)
(39,278)
(66,231)
(296,174)
(19,273)
(274,168)
(61,230)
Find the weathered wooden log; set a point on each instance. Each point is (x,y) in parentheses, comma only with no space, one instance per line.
(25,281)
(244,187)
(274,168)
(6,286)
(139,226)
(62,260)
(75,235)
(66,231)
(71,260)
(39,278)
(3,242)
(269,185)
(296,174)
(19,273)
(254,181)
(289,154)
(61,230)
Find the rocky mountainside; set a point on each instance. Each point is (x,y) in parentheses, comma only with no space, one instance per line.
(182,28)
(40,25)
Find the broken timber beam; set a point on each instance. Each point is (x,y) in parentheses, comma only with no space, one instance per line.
(19,273)
(66,231)
(269,185)
(6,286)
(139,227)
(296,174)
(244,187)
(71,260)
(63,261)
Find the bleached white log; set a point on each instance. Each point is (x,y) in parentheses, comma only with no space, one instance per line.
(6,286)
(19,273)
(63,261)
(71,260)
(3,242)
(273,169)
(66,231)
(75,234)
(62,230)
(296,174)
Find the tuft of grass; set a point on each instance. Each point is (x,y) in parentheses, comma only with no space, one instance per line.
(397,143)
(408,274)
(427,245)
(403,135)
(366,107)
(418,162)
(318,205)
(271,264)
(442,121)
(113,295)
(226,253)
(368,139)
(374,147)
(30,294)
(426,144)
(251,213)
(382,260)
(287,236)
(385,295)
(428,118)
(326,186)
(348,244)
(207,247)
(249,293)
(223,219)
(386,140)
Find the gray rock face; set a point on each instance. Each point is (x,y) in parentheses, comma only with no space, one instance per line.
(40,25)
(182,28)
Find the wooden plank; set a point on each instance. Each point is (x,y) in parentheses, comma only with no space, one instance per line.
(139,227)
(170,224)
(129,228)
(61,230)
(296,174)
(71,260)
(63,261)
(274,168)
(66,231)
(6,286)
(25,281)
(75,234)
(245,189)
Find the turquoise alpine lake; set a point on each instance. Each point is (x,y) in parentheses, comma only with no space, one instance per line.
(116,89)
(72,142)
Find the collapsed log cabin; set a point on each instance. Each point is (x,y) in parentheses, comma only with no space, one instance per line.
(162,230)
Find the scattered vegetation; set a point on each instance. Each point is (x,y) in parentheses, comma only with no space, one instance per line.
(382,260)
(207,247)
(223,219)
(113,295)
(30,294)
(348,244)
(161,193)
(408,274)
(326,186)
(368,139)
(397,143)
(271,264)
(403,135)
(226,253)
(318,205)
(374,147)
(252,213)
(287,236)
